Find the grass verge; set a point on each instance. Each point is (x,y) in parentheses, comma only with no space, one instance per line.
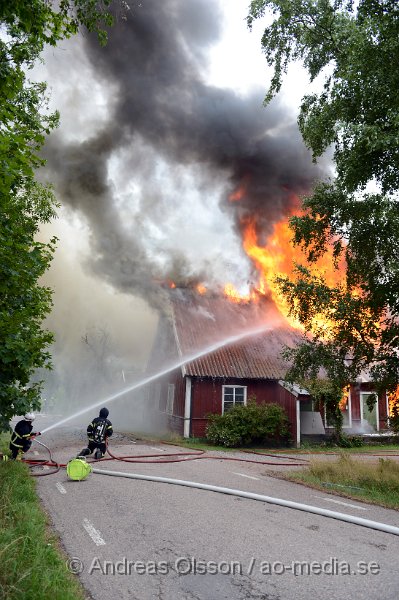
(202,444)
(4,442)
(378,449)
(32,564)
(177,440)
(376,483)
(198,444)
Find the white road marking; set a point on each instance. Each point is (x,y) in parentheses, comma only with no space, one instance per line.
(46,467)
(340,502)
(60,487)
(35,452)
(247,476)
(93,533)
(157,449)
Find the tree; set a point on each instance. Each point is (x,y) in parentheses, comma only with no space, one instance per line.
(25,204)
(354,49)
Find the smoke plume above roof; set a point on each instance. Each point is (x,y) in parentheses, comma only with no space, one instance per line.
(152,181)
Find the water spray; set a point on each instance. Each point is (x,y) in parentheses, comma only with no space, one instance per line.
(149,379)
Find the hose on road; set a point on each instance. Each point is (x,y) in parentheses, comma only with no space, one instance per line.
(222,490)
(270,500)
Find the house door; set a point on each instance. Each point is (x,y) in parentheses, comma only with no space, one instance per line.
(369,417)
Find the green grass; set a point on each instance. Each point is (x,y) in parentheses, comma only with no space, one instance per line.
(376,482)
(32,566)
(197,444)
(4,442)
(309,449)
(203,444)
(177,440)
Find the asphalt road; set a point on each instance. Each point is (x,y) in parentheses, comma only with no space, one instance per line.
(142,540)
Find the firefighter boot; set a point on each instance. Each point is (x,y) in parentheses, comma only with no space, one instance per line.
(84,452)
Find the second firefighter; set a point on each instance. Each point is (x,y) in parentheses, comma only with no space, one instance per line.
(97,432)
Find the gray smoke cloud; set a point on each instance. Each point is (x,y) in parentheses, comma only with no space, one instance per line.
(143,164)
(168,135)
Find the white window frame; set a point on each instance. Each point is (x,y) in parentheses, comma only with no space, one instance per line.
(376,408)
(157,395)
(241,387)
(312,405)
(349,425)
(170,401)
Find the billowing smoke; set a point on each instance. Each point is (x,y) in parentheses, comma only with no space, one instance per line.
(146,160)
(170,135)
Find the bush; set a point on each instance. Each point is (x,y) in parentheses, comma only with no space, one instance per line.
(251,424)
(346,441)
(352,441)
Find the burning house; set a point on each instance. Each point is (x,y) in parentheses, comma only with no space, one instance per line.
(178,176)
(219,373)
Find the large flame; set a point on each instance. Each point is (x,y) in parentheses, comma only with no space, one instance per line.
(276,258)
(393,403)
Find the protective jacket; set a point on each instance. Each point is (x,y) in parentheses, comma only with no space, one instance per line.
(21,437)
(99,429)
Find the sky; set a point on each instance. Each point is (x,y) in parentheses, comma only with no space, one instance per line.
(157,130)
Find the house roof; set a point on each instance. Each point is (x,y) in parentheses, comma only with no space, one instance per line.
(202,323)
(294,389)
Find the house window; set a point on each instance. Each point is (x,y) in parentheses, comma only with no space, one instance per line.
(346,410)
(369,418)
(307,405)
(157,396)
(233,394)
(171,398)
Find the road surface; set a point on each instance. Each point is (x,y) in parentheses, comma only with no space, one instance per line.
(140,540)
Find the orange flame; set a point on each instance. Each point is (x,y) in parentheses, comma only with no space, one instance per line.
(234,295)
(240,192)
(276,259)
(345,398)
(393,403)
(201,289)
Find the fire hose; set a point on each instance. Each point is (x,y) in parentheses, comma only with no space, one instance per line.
(222,490)
(251,496)
(176,457)
(144,458)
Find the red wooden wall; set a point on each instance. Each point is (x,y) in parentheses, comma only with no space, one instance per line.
(355,392)
(206,398)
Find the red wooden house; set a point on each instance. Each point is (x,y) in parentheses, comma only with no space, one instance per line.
(232,373)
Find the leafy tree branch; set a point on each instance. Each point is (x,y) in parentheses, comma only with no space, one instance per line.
(26,28)
(353,49)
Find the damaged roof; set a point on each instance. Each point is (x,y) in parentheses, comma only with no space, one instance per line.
(202,322)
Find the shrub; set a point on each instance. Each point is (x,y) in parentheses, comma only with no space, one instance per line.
(346,441)
(254,423)
(353,441)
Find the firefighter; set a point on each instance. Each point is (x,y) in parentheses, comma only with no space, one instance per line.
(98,431)
(21,437)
